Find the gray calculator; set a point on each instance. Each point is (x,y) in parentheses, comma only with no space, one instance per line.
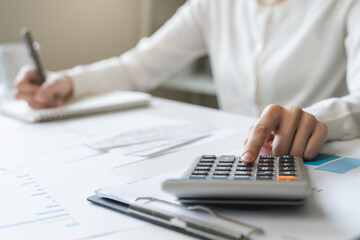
(226,179)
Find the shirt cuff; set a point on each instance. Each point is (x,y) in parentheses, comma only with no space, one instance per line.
(81,82)
(340,123)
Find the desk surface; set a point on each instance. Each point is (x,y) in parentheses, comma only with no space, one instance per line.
(53,153)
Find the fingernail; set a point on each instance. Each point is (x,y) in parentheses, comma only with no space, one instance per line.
(247,157)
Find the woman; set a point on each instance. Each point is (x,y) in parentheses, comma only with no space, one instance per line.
(267,57)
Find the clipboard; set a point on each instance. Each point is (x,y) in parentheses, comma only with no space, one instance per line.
(196,220)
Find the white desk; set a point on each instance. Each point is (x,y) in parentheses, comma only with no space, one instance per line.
(26,141)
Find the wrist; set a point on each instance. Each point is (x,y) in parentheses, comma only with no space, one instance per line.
(69,85)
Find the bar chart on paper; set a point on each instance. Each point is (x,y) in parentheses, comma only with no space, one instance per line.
(334,163)
(19,192)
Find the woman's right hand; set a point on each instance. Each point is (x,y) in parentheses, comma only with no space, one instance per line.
(52,93)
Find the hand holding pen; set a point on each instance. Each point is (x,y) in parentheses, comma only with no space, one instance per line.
(38,89)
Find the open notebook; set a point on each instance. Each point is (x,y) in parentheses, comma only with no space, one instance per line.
(86,105)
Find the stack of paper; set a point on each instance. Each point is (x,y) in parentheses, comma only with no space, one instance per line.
(151,142)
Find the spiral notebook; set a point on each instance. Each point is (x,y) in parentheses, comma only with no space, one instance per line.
(76,107)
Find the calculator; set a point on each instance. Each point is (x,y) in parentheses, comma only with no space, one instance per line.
(226,179)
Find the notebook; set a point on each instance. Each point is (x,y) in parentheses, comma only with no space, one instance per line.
(76,107)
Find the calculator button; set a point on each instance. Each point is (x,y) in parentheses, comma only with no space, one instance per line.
(287,173)
(227,158)
(282,178)
(219,176)
(242,173)
(264,173)
(264,177)
(241,177)
(265,164)
(241,164)
(286,168)
(199,173)
(204,164)
(286,157)
(265,168)
(286,164)
(222,168)
(208,156)
(202,168)
(207,160)
(243,168)
(266,160)
(224,165)
(286,160)
(266,157)
(197,176)
(221,173)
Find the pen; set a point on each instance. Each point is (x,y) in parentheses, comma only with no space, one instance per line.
(27,37)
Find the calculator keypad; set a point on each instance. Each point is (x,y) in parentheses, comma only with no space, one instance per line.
(265,168)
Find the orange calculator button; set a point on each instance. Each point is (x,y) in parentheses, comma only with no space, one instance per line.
(287,178)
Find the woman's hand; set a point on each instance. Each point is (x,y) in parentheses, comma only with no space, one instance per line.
(285,130)
(52,93)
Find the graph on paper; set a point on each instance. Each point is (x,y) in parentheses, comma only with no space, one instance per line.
(21,190)
(334,163)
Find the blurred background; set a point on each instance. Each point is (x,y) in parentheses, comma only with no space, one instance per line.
(73,32)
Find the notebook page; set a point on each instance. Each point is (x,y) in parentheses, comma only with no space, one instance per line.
(90,104)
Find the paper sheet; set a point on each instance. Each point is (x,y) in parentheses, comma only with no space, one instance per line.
(145,188)
(34,203)
(156,135)
(330,212)
(152,142)
(117,123)
(57,156)
(61,142)
(325,214)
(133,154)
(127,193)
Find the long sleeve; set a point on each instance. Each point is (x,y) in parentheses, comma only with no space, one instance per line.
(342,115)
(174,45)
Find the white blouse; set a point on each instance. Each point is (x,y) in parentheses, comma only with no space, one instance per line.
(298,52)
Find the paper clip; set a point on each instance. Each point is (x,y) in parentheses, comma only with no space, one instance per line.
(196,219)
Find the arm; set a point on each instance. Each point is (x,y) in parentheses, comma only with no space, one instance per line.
(342,115)
(302,132)
(174,45)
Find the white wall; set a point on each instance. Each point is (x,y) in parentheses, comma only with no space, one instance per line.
(74,32)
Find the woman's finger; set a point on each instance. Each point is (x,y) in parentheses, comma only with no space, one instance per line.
(316,140)
(285,133)
(301,138)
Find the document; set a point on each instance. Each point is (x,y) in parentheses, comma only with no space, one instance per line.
(340,164)
(146,188)
(154,141)
(35,204)
(63,155)
(148,200)
(101,127)
(325,215)
(161,134)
